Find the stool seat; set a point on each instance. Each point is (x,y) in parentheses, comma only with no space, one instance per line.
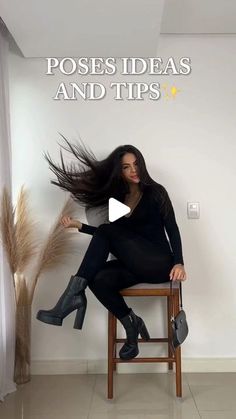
(173,307)
(146,285)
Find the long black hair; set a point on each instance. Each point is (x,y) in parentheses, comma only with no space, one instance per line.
(92,182)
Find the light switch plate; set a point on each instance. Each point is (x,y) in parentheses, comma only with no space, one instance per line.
(193,209)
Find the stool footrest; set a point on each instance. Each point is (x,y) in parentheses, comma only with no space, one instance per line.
(137,360)
(120,340)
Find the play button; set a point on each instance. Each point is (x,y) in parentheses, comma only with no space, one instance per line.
(116,209)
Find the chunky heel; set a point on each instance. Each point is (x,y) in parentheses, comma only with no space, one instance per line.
(144,332)
(79,318)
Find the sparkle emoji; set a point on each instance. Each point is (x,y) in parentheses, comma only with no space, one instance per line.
(170,93)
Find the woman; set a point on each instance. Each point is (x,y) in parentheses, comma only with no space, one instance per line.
(137,240)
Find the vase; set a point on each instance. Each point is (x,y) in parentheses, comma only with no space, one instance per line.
(23,344)
(23,331)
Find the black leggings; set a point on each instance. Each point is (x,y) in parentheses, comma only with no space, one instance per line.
(138,260)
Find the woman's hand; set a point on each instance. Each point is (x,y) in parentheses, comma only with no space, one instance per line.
(178,273)
(68,222)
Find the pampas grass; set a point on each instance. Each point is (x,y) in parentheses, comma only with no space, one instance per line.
(56,247)
(8,235)
(24,226)
(17,236)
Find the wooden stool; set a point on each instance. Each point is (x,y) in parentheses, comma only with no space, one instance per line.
(147,290)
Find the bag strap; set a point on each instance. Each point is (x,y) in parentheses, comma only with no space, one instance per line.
(172,300)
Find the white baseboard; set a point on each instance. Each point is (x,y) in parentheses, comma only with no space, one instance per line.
(83,366)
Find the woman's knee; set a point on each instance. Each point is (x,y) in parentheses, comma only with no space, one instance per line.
(105,279)
(100,281)
(115,231)
(102,229)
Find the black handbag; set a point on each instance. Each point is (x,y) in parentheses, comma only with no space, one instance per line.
(179,322)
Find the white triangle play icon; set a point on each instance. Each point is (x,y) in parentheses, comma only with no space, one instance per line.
(116,209)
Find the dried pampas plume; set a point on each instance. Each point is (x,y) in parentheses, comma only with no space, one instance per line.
(7,230)
(25,244)
(17,228)
(56,247)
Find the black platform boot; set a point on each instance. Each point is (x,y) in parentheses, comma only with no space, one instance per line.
(73,298)
(134,326)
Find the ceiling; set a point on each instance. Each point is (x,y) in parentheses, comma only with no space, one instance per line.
(110,28)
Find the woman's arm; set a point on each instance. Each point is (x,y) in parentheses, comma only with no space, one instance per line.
(69,222)
(87,229)
(168,215)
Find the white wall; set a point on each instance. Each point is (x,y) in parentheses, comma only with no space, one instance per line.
(189,146)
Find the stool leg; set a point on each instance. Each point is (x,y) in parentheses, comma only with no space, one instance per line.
(114,340)
(110,355)
(178,355)
(170,364)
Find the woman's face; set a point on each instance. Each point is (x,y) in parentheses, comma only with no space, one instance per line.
(130,168)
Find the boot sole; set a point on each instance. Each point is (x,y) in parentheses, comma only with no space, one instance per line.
(131,356)
(56,321)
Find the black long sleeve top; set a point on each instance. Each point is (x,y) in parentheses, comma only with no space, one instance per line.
(149,220)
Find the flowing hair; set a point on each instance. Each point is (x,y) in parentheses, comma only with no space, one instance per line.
(91,182)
